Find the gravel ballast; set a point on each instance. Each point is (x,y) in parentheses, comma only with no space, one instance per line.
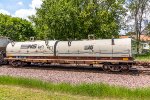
(77,77)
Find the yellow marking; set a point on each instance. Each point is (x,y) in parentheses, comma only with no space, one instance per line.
(9,57)
(125,59)
(44,60)
(95,62)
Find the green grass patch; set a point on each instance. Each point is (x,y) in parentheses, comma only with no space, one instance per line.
(91,90)
(143,57)
(8,92)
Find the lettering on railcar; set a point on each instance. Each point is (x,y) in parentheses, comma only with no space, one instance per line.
(28,46)
(88,47)
(41,47)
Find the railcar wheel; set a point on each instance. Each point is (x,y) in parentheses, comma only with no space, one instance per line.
(1,62)
(125,68)
(5,62)
(14,64)
(1,57)
(28,63)
(106,67)
(17,63)
(115,68)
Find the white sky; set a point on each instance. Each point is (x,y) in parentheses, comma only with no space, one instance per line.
(25,11)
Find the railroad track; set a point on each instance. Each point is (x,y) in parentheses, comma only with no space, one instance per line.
(73,75)
(136,70)
(63,68)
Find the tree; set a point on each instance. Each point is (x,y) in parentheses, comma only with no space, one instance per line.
(76,19)
(16,28)
(137,9)
(147,29)
(131,34)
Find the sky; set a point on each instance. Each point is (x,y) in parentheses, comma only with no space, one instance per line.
(19,8)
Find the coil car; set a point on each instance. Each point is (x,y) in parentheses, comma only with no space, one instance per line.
(112,54)
(3,43)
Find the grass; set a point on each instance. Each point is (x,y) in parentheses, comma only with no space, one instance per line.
(143,57)
(91,90)
(8,92)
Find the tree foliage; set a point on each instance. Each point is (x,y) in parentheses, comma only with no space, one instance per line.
(76,19)
(147,30)
(138,8)
(16,28)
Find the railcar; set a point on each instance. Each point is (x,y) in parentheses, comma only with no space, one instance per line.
(3,43)
(112,54)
